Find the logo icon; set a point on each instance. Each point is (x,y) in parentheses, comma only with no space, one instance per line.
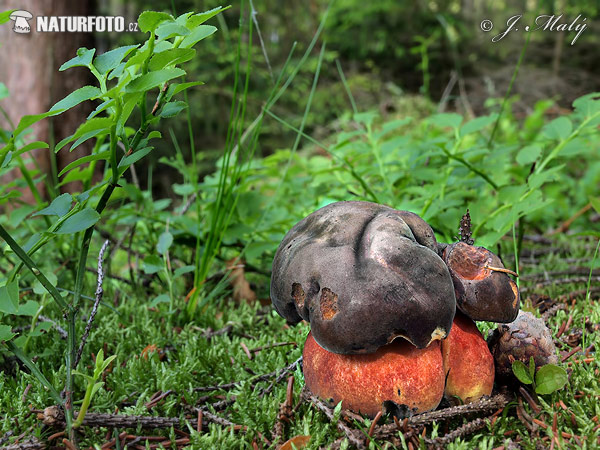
(21,19)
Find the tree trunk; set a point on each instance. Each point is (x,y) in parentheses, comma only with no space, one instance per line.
(29,65)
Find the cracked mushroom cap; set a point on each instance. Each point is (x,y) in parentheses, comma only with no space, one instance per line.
(363,274)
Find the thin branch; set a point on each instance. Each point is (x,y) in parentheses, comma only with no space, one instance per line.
(99,294)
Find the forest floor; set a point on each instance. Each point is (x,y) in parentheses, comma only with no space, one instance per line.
(232,378)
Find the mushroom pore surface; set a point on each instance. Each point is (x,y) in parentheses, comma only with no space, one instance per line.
(363,274)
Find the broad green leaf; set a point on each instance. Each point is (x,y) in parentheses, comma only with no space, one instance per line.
(559,128)
(164,243)
(197,35)
(135,157)
(111,59)
(59,206)
(37,286)
(170,57)
(97,123)
(595,201)
(79,221)
(149,20)
(9,297)
(105,155)
(32,146)
(477,124)
(529,154)
(152,264)
(550,378)
(153,79)
(168,30)
(83,58)
(5,15)
(162,298)
(588,104)
(28,120)
(6,333)
(30,308)
(200,18)
(443,120)
(3,91)
(175,89)
(76,97)
(171,109)
(183,270)
(521,372)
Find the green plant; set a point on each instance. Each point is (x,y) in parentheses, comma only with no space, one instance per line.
(93,385)
(125,76)
(547,379)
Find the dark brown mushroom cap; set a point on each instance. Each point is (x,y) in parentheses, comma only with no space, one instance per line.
(363,274)
(482,293)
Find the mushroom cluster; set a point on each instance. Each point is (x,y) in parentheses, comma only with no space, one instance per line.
(391,310)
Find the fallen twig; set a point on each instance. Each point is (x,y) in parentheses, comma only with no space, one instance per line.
(99,293)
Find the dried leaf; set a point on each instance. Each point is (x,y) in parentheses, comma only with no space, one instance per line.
(299,441)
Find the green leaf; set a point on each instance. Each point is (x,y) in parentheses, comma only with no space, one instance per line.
(171,57)
(97,123)
(199,33)
(171,109)
(28,120)
(3,91)
(76,97)
(9,297)
(30,308)
(200,18)
(153,79)
(521,372)
(32,146)
(531,368)
(588,104)
(86,159)
(477,124)
(595,201)
(150,20)
(175,88)
(39,289)
(164,243)
(171,29)
(152,264)
(135,157)
(443,120)
(559,128)
(183,270)
(111,59)
(59,206)
(162,298)
(529,154)
(5,15)
(79,221)
(83,59)
(6,333)
(550,378)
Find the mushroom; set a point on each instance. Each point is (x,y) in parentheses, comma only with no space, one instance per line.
(372,283)
(482,287)
(409,380)
(363,274)
(21,18)
(468,363)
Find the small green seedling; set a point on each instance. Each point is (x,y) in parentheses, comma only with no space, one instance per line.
(547,379)
(93,384)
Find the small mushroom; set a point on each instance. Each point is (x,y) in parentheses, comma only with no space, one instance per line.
(404,378)
(522,339)
(363,274)
(468,363)
(21,19)
(483,289)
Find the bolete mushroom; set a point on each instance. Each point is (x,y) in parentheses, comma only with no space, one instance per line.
(411,378)
(468,363)
(21,19)
(363,274)
(482,287)
(379,297)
